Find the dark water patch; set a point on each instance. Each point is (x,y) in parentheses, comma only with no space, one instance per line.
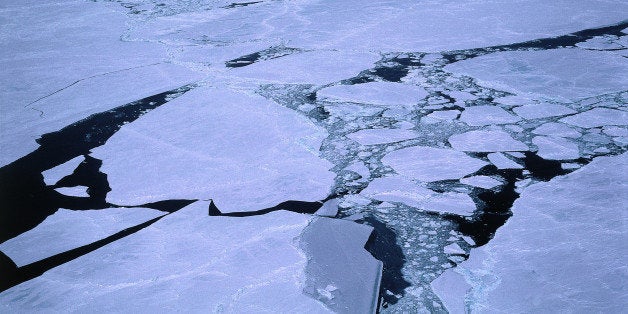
(319,114)
(391,74)
(240,4)
(18,275)
(300,207)
(383,246)
(359,80)
(311,98)
(244,60)
(88,174)
(407,61)
(542,169)
(169,206)
(266,54)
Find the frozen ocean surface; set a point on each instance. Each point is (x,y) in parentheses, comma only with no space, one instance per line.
(313,156)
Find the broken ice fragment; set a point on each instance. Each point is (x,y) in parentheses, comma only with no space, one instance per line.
(376,93)
(536,111)
(502,162)
(76,191)
(454,249)
(597,117)
(556,148)
(381,136)
(484,182)
(52,176)
(556,129)
(486,141)
(487,115)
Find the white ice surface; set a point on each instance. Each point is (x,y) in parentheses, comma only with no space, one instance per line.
(53,175)
(615,131)
(556,129)
(441,115)
(566,74)
(68,229)
(502,162)
(556,148)
(597,117)
(381,136)
(563,250)
(536,111)
(243,151)
(187,260)
(76,191)
(486,141)
(431,164)
(484,182)
(487,115)
(376,93)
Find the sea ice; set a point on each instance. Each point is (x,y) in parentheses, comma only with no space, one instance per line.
(536,111)
(486,141)
(432,164)
(484,182)
(375,93)
(52,176)
(381,136)
(556,129)
(597,117)
(440,115)
(556,148)
(243,151)
(502,162)
(487,115)
(76,191)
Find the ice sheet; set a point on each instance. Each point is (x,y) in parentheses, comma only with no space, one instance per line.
(243,151)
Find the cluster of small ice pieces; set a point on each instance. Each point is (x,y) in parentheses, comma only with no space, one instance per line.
(397,120)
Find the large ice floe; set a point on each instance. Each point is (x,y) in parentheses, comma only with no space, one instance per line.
(313,156)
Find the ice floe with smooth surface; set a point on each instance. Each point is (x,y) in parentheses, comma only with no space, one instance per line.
(75,191)
(563,250)
(440,115)
(314,67)
(432,164)
(381,136)
(597,117)
(68,229)
(484,182)
(486,141)
(487,115)
(536,111)
(243,151)
(502,162)
(53,175)
(557,130)
(187,260)
(556,148)
(549,73)
(375,93)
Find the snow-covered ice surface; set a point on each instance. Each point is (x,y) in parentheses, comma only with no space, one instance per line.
(301,126)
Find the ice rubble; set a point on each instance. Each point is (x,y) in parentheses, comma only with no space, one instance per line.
(432,164)
(549,73)
(486,141)
(376,93)
(572,260)
(243,151)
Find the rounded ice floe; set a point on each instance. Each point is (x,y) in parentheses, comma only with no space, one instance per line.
(556,148)
(432,164)
(487,115)
(381,136)
(536,111)
(556,129)
(375,93)
(486,141)
(597,117)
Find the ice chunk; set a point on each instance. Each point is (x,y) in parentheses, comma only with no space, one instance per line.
(578,221)
(195,262)
(376,93)
(486,141)
(449,203)
(359,168)
(549,73)
(536,111)
(243,151)
(432,164)
(484,182)
(597,117)
(615,131)
(329,208)
(52,176)
(333,246)
(381,136)
(502,162)
(453,248)
(441,115)
(69,229)
(556,129)
(77,191)
(486,115)
(313,67)
(556,148)
(451,288)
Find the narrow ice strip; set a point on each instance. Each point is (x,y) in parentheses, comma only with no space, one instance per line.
(487,115)
(76,191)
(502,162)
(598,117)
(68,229)
(187,260)
(52,176)
(578,221)
(313,67)
(536,111)
(484,182)
(556,129)
(486,141)
(556,148)
(243,151)
(340,272)
(381,136)
(549,73)
(432,164)
(376,93)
